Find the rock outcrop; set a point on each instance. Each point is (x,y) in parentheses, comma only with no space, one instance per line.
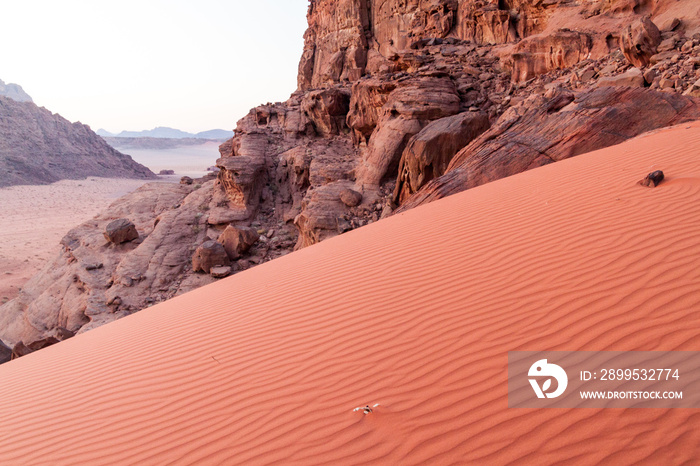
(639,41)
(429,152)
(327,109)
(39,147)
(541,54)
(94,280)
(5,353)
(349,38)
(88,284)
(546,130)
(408,109)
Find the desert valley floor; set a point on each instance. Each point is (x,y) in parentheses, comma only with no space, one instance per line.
(27,246)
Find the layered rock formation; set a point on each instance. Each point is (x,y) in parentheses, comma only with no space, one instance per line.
(382,73)
(39,147)
(349,38)
(106,270)
(546,130)
(430,151)
(398,103)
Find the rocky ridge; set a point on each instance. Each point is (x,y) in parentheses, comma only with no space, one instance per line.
(163,132)
(40,147)
(14,92)
(399,103)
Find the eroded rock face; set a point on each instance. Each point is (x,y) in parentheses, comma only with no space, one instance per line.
(541,54)
(348,38)
(327,110)
(320,217)
(430,151)
(397,23)
(485,23)
(280,155)
(638,42)
(367,100)
(543,131)
(335,44)
(408,109)
(292,177)
(242,177)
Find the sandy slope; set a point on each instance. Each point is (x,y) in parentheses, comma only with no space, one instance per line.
(417,313)
(35,218)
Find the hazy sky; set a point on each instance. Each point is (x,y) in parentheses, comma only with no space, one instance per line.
(137,64)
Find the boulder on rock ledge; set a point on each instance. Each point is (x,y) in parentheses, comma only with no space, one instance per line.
(210,254)
(237,240)
(120,231)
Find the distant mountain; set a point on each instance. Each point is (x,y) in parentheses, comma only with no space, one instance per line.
(40,147)
(214,134)
(14,92)
(159,132)
(168,133)
(126,144)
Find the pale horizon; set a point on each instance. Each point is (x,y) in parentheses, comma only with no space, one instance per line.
(141,65)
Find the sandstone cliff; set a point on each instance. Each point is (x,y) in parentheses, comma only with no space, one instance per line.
(394,89)
(347,39)
(39,147)
(399,102)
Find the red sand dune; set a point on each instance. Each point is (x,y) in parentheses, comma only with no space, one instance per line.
(416,312)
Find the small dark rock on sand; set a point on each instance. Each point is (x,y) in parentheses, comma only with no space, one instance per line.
(653,179)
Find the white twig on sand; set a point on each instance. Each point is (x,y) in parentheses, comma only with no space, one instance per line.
(365,409)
